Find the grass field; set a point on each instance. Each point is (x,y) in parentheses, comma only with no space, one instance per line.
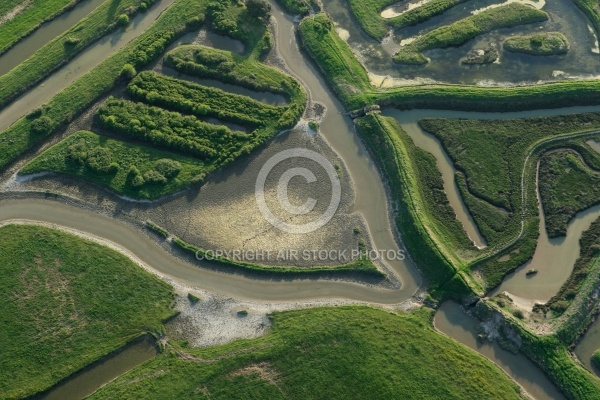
(27,16)
(462,31)
(324,353)
(66,302)
(567,186)
(496,178)
(543,44)
(71,157)
(64,47)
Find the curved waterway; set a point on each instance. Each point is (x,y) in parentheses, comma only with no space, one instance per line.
(588,345)
(554,258)
(44,34)
(451,320)
(80,65)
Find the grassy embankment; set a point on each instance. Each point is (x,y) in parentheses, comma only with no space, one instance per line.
(492,189)
(543,44)
(27,18)
(29,131)
(66,46)
(66,302)
(549,352)
(462,31)
(368,15)
(299,7)
(361,266)
(329,353)
(567,186)
(211,145)
(590,8)
(430,231)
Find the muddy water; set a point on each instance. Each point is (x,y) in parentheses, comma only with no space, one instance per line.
(451,320)
(80,65)
(86,382)
(553,258)
(594,145)
(44,34)
(588,345)
(445,65)
(371,199)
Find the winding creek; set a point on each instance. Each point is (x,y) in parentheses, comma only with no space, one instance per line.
(370,202)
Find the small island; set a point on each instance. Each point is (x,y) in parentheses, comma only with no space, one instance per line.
(543,44)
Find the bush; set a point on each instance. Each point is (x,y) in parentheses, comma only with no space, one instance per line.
(42,125)
(123,20)
(135,176)
(77,152)
(167,168)
(259,9)
(72,41)
(192,298)
(99,159)
(143,6)
(128,71)
(154,177)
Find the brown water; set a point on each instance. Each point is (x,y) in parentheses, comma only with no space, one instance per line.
(80,65)
(451,320)
(594,145)
(588,345)
(93,377)
(44,34)
(445,64)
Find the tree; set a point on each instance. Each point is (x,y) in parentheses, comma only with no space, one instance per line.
(259,9)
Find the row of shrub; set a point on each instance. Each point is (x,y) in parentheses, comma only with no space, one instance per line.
(170,130)
(191,98)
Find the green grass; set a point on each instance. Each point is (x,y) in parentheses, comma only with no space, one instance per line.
(301,7)
(68,104)
(590,8)
(66,302)
(543,44)
(58,51)
(344,73)
(567,186)
(462,31)
(325,353)
(428,226)
(496,177)
(368,14)
(59,158)
(29,19)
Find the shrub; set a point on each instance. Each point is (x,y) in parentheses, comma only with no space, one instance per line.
(143,6)
(128,71)
(72,41)
(135,176)
(259,9)
(192,298)
(154,177)
(42,125)
(167,168)
(77,152)
(99,159)
(123,20)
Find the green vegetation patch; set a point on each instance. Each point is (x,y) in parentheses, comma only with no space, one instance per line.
(462,31)
(65,302)
(368,14)
(343,71)
(491,154)
(77,97)
(329,353)
(567,186)
(596,359)
(64,47)
(26,17)
(543,44)
(127,169)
